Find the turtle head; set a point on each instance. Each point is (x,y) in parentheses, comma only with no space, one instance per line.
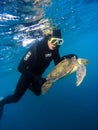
(83,61)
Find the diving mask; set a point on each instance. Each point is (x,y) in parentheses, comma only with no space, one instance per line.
(56,41)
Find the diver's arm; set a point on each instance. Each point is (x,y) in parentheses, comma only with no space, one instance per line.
(68,56)
(56,57)
(27,63)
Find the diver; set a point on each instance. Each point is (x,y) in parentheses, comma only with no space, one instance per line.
(33,64)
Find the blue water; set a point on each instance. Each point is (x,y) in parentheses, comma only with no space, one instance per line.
(65,106)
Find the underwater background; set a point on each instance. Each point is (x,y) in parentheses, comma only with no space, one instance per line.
(64,106)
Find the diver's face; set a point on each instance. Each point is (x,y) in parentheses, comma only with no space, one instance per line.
(54,43)
(51,46)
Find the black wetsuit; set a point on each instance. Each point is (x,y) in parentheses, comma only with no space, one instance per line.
(31,67)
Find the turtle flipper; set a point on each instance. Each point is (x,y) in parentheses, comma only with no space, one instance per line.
(80,74)
(46,86)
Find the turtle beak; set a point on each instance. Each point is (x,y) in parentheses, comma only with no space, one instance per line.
(83,61)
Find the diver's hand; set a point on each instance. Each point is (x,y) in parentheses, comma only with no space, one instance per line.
(69,56)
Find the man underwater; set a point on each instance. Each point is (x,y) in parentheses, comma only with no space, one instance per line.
(33,65)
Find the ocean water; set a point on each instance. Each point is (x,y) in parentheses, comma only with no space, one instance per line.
(64,106)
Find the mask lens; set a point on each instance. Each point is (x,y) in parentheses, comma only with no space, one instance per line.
(53,41)
(60,42)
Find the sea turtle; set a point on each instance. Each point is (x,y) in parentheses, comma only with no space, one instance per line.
(64,68)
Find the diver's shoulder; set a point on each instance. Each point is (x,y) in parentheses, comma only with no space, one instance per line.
(39,43)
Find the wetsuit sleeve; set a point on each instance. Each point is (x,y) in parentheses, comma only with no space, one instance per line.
(56,57)
(28,63)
